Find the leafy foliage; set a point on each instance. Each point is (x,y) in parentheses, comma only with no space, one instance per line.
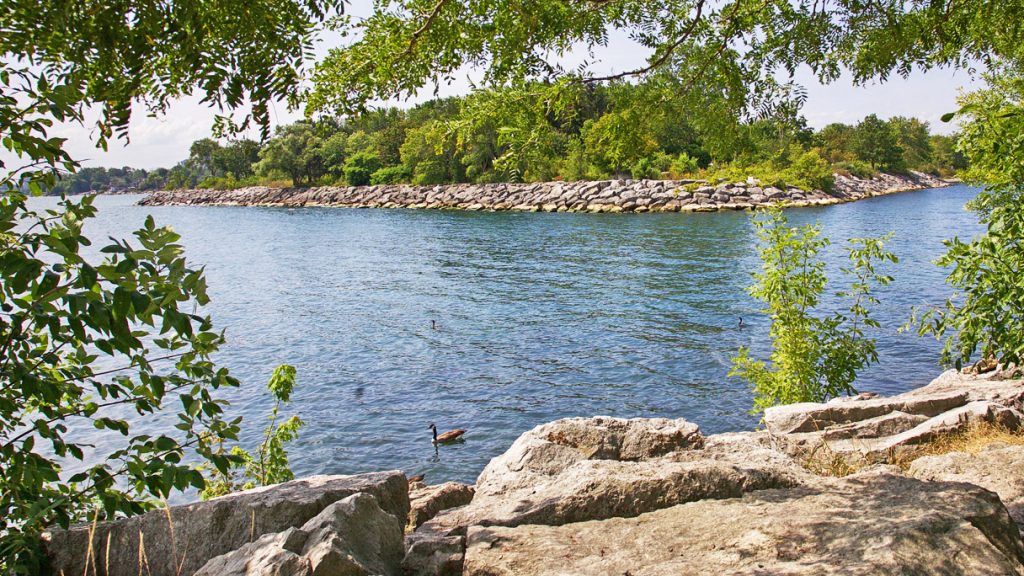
(815,356)
(96,344)
(986,316)
(270,463)
(85,344)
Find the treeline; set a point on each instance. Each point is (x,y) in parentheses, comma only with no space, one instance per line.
(598,132)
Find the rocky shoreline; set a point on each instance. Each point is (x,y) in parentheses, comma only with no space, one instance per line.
(596,196)
(611,496)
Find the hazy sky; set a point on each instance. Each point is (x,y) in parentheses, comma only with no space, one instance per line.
(164,141)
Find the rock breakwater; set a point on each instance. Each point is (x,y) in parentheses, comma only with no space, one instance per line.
(595,196)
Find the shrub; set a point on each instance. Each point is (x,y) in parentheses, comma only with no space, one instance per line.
(856,168)
(683,165)
(814,357)
(810,171)
(359,168)
(646,168)
(82,339)
(390,175)
(270,463)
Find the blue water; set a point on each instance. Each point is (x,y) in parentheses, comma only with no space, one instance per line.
(539,316)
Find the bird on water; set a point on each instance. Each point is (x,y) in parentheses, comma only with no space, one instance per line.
(741,321)
(448,437)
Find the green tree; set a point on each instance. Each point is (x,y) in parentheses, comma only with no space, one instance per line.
(236,158)
(815,356)
(619,140)
(428,153)
(875,142)
(295,151)
(360,167)
(201,156)
(986,315)
(914,140)
(836,142)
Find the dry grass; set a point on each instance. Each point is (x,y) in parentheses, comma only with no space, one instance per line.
(972,440)
(832,464)
(825,462)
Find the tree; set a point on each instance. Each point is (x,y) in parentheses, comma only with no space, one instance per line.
(913,139)
(360,167)
(986,315)
(201,156)
(295,150)
(61,315)
(236,158)
(815,356)
(836,142)
(875,142)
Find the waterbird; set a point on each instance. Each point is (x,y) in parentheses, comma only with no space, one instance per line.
(741,321)
(417,478)
(448,437)
(433,324)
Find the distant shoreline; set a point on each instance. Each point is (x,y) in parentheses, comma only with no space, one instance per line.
(585,196)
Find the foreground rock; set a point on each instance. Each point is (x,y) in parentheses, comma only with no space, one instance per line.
(865,430)
(581,469)
(600,196)
(425,502)
(352,537)
(997,467)
(643,496)
(871,525)
(151,545)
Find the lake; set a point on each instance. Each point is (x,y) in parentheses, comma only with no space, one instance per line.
(538,316)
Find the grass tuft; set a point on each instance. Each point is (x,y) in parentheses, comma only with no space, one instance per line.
(973,439)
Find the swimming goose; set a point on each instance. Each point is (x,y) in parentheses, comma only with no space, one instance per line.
(447,437)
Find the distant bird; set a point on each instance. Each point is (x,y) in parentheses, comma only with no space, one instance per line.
(417,478)
(448,437)
(433,324)
(741,321)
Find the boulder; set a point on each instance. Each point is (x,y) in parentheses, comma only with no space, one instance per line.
(352,537)
(426,501)
(812,417)
(992,386)
(204,530)
(276,554)
(583,469)
(432,554)
(998,467)
(876,524)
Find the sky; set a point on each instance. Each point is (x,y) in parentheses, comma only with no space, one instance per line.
(164,141)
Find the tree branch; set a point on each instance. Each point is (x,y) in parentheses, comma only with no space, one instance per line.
(687,34)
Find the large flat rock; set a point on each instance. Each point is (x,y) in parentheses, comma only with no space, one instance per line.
(869,525)
(204,530)
(572,470)
(998,467)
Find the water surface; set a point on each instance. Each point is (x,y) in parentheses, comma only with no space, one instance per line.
(539,316)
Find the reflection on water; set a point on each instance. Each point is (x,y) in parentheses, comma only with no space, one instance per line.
(537,317)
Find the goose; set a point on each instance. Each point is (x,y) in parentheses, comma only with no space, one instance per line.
(448,437)
(741,321)
(417,478)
